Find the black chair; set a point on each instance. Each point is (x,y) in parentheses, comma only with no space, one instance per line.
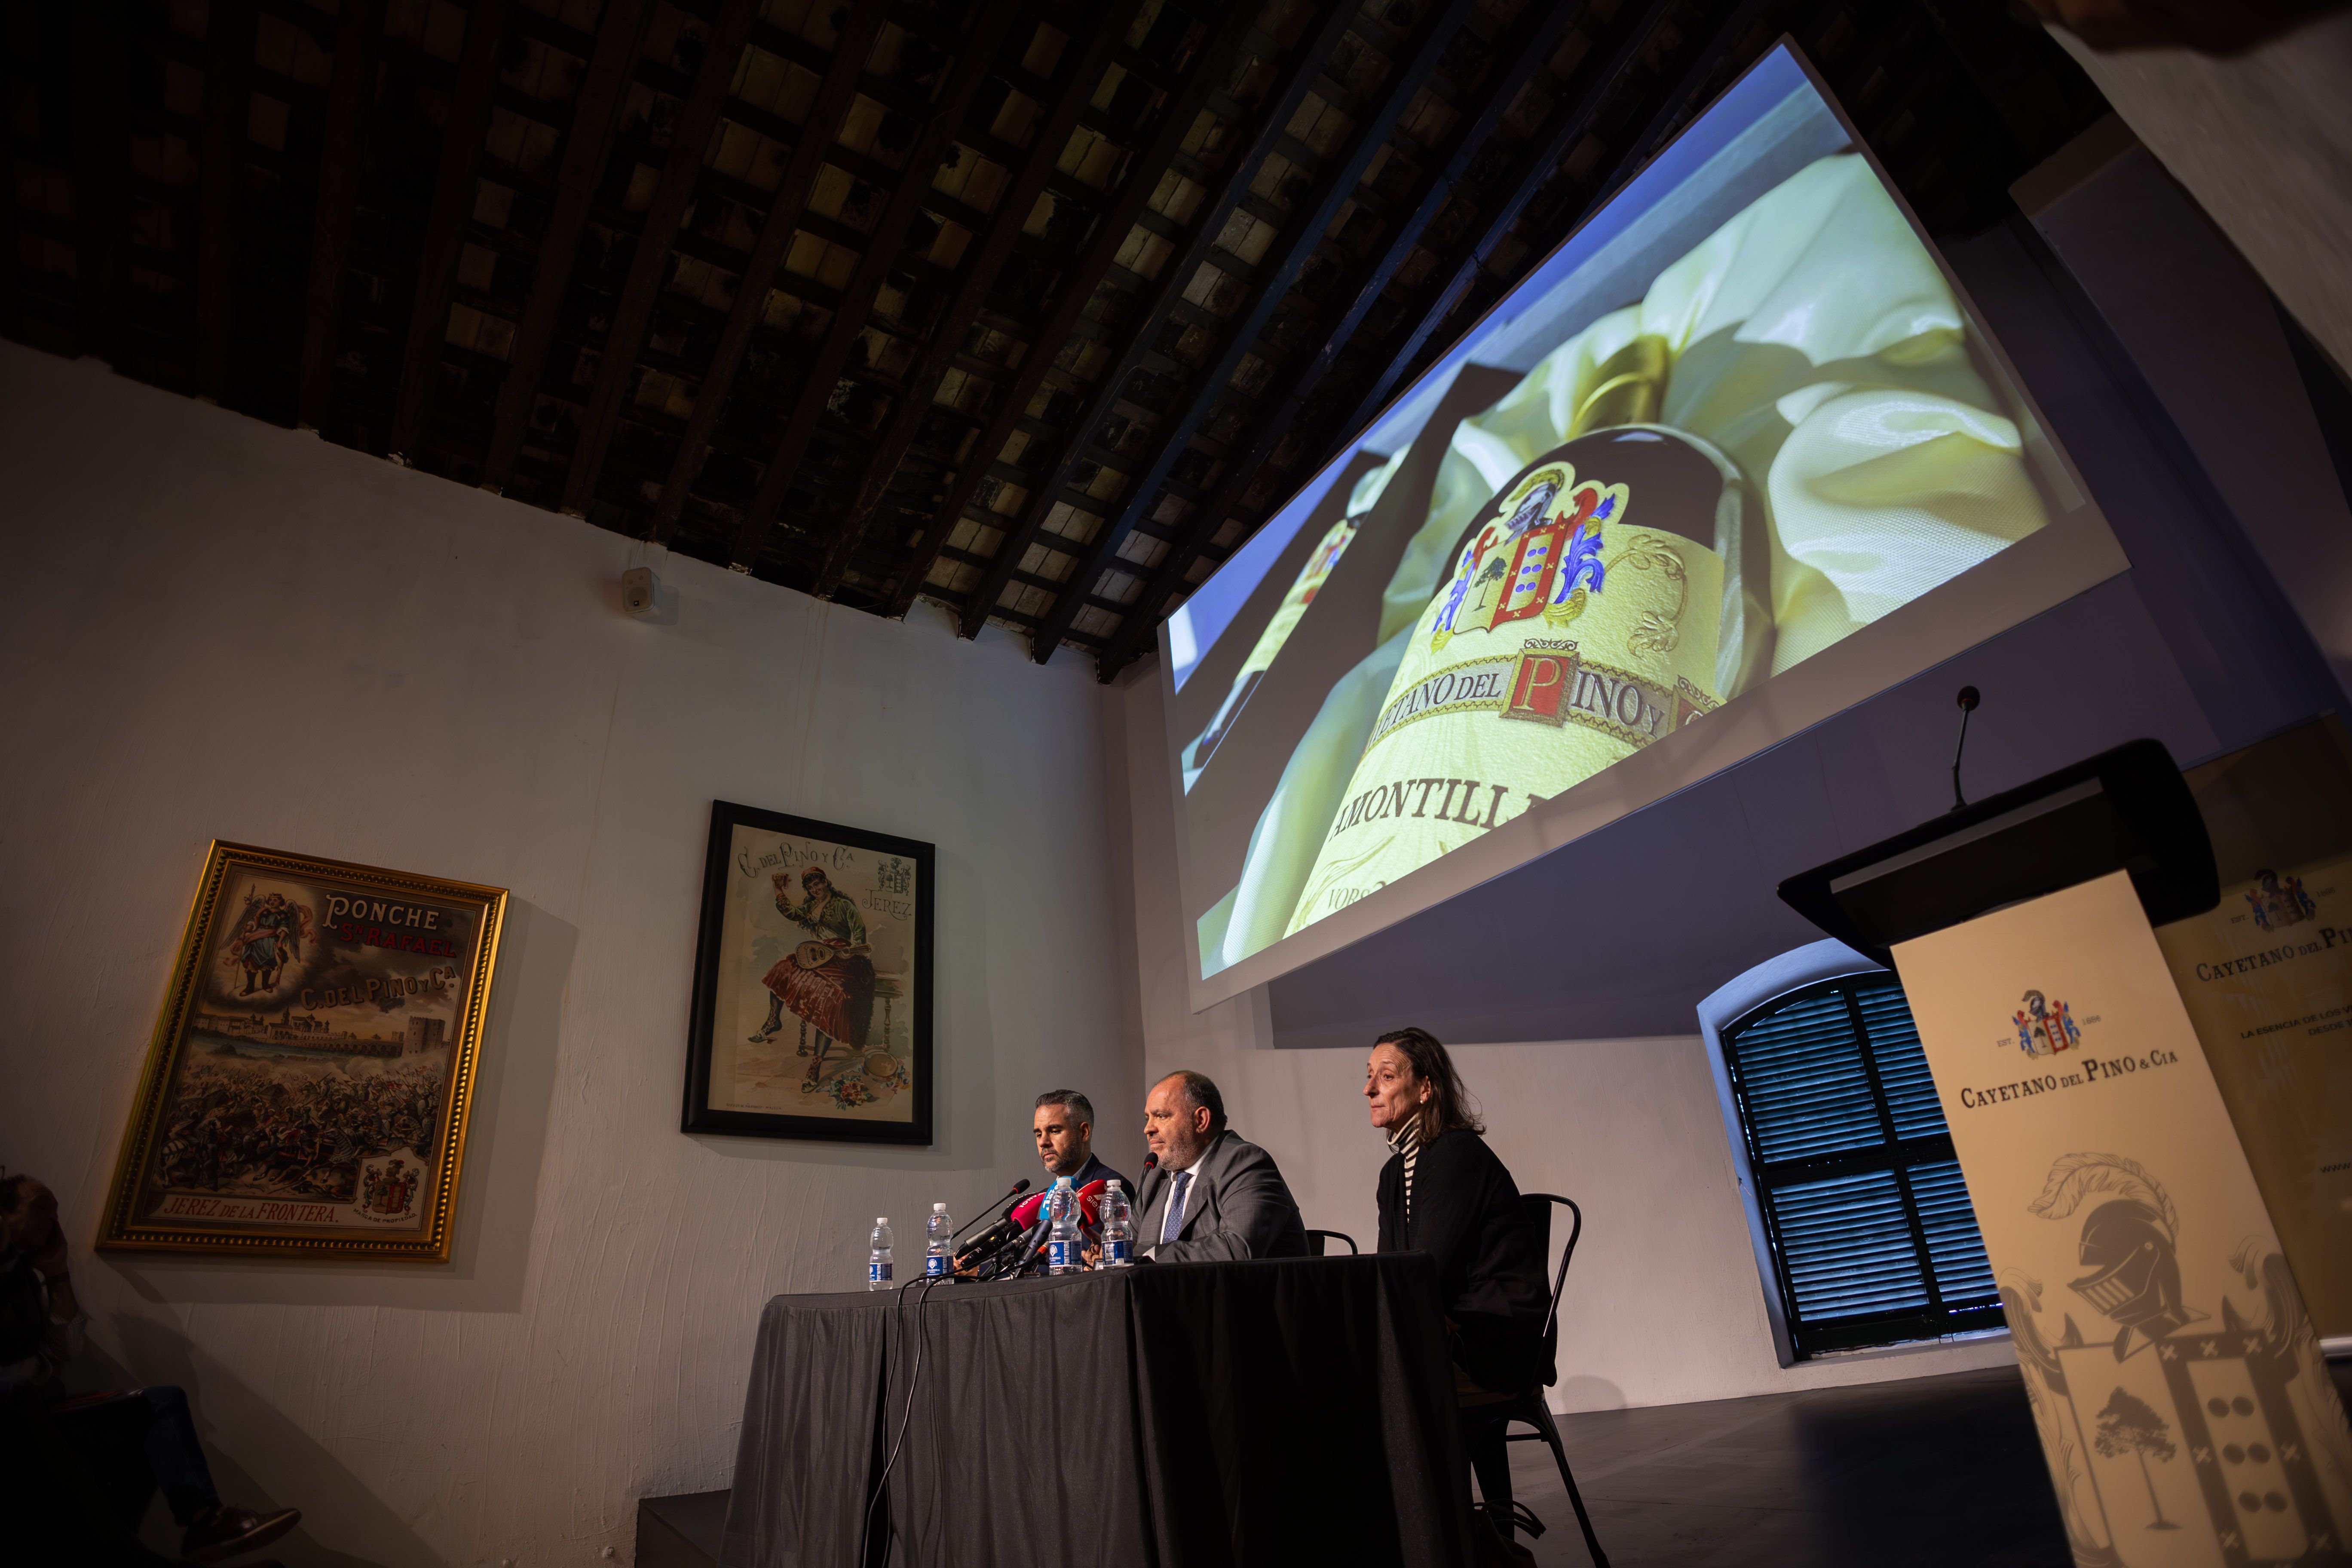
(1318,1237)
(1529,1409)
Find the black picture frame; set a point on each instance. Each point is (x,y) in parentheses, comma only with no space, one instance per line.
(749,849)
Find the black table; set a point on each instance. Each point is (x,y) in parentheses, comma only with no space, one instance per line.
(1269,1413)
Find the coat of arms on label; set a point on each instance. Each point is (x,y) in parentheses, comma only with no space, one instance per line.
(2279,900)
(1542,559)
(2043,1029)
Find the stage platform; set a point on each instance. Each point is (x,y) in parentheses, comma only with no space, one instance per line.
(1932,1472)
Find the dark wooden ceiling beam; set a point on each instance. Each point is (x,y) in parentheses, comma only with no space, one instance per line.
(1580,100)
(1416,65)
(698,114)
(813,140)
(979,274)
(342,162)
(974,65)
(220,186)
(102,154)
(445,225)
(1674,104)
(1522,53)
(1301,75)
(595,115)
(657,234)
(1096,262)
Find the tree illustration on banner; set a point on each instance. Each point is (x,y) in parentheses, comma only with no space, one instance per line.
(2131,1426)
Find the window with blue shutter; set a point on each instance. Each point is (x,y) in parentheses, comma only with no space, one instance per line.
(1869,1222)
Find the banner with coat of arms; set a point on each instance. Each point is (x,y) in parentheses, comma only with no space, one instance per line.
(2178,1385)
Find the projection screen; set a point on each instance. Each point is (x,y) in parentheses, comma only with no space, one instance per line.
(1736,455)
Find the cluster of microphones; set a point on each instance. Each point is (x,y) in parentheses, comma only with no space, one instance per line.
(1022,1235)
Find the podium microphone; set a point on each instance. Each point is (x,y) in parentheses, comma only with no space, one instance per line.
(1968,698)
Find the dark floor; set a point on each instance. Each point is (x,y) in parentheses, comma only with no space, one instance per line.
(1928,1472)
(1932,1472)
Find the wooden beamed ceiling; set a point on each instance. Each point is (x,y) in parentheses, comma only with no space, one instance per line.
(1031,307)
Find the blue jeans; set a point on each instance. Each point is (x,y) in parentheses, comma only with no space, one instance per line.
(176,1457)
(146,1440)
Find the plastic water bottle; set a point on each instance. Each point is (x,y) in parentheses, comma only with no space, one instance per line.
(877,1262)
(936,1232)
(1117,1228)
(1064,1241)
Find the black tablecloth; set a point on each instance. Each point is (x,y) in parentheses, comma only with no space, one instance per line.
(1274,1412)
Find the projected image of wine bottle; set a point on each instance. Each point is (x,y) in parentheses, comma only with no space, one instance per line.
(1584,617)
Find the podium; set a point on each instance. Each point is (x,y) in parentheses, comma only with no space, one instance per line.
(2183,1405)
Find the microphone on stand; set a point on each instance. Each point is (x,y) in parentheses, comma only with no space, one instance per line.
(986,1242)
(1014,1251)
(1018,1188)
(1150,1164)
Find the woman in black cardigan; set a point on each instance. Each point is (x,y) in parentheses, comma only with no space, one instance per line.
(1445,1193)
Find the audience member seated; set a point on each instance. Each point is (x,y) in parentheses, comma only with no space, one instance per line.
(77,1444)
(1212,1195)
(1444,1191)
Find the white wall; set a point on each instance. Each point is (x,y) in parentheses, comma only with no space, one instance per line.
(221,629)
(1664,1303)
(2263,141)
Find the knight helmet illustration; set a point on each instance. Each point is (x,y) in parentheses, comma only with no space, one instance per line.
(2134,1273)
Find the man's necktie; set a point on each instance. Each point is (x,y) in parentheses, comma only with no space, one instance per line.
(1177,1183)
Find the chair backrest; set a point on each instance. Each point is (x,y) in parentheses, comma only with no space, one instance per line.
(1537,1207)
(1320,1236)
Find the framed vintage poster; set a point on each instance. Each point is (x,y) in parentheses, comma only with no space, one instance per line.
(811,1014)
(309,1083)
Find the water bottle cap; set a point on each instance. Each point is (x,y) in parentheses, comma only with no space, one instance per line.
(1061,1180)
(938,1208)
(881,1219)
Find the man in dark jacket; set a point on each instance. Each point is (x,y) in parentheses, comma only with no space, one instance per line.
(1064,1126)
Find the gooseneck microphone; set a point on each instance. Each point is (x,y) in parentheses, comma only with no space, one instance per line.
(1967,700)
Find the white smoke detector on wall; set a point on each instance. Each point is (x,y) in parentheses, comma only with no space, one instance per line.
(640,591)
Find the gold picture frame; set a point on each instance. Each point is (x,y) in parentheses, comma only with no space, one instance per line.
(276,1116)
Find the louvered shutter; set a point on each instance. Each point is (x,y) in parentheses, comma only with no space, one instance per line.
(1868,1217)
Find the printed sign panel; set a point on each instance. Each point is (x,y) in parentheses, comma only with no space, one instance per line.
(2267,978)
(2184,1406)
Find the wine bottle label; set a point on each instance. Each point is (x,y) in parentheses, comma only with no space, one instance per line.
(1578,624)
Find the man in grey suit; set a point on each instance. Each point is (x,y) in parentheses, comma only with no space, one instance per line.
(1211,1195)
